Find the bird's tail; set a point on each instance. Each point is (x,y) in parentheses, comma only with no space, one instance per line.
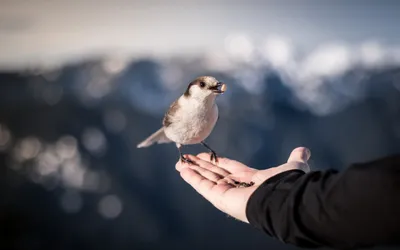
(157,137)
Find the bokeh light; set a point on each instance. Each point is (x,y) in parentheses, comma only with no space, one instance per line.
(94,141)
(110,206)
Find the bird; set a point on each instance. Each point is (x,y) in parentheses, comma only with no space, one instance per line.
(191,118)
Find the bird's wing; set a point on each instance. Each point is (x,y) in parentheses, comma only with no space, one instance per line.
(157,137)
(170,113)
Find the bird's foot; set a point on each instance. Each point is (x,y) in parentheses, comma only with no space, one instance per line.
(213,156)
(186,160)
(243,184)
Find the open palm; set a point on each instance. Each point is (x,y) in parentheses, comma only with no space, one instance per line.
(217,182)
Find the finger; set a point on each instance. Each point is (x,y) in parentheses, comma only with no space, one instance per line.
(207,174)
(179,165)
(201,184)
(227,181)
(300,154)
(229,165)
(230,181)
(210,166)
(205,156)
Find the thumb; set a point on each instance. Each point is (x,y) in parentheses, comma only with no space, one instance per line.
(300,154)
(297,160)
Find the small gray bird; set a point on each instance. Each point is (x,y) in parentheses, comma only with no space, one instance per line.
(191,118)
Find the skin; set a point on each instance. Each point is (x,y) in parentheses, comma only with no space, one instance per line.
(214,180)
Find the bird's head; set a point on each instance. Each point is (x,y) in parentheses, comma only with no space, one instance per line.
(204,87)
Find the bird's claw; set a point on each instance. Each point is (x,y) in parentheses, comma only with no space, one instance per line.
(213,157)
(186,160)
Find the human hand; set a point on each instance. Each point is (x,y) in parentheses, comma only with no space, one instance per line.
(216,181)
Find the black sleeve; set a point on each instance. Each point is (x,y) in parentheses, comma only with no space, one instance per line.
(358,207)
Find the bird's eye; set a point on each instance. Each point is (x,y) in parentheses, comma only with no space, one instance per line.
(202,84)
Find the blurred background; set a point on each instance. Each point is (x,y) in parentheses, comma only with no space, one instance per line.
(83,82)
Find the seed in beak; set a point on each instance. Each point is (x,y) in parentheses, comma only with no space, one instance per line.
(223,87)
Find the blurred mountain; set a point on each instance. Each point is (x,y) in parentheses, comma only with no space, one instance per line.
(72,178)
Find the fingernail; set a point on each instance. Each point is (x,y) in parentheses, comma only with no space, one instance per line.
(304,153)
(307,154)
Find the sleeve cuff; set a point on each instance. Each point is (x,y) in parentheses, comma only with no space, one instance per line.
(259,203)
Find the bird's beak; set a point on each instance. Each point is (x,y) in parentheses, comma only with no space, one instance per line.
(219,88)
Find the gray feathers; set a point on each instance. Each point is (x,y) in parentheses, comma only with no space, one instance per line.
(157,137)
(170,113)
